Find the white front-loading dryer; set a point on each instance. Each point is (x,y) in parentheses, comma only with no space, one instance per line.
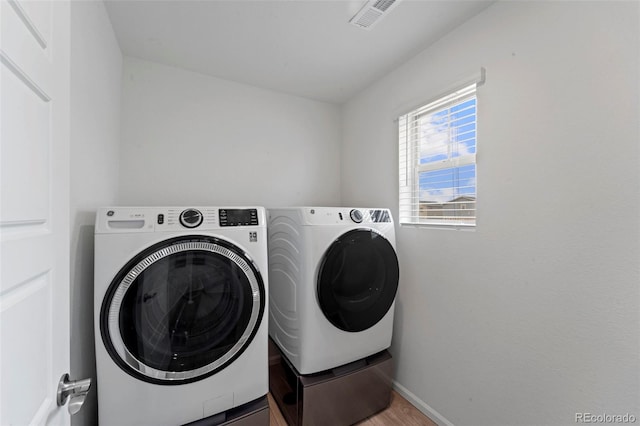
(333,280)
(180,326)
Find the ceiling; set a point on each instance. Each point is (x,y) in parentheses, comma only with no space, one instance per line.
(301,47)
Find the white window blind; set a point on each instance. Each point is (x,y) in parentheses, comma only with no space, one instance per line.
(437,144)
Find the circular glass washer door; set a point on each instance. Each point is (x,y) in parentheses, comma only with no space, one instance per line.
(182,310)
(358,280)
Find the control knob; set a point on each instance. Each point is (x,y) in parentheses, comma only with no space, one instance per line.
(191,218)
(356,215)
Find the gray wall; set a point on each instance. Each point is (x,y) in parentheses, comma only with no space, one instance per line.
(534,316)
(96,73)
(192,139)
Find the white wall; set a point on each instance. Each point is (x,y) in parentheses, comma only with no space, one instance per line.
(191,139)
(96,74)
(535,315)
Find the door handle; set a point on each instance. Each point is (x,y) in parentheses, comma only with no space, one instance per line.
(76,389)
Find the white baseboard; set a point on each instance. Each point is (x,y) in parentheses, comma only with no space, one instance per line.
(421,405)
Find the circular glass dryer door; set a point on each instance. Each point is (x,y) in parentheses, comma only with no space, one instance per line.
(357,280)
(182,310)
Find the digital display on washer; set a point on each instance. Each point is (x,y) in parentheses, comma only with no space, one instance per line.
(238,217)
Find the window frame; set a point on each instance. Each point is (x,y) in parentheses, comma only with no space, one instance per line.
(410,167)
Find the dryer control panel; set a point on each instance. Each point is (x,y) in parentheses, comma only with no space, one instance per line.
(344,215)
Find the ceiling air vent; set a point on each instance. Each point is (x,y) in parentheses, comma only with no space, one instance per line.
(372,12)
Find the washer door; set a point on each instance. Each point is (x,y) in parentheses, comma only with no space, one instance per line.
(182,310)
(358,280)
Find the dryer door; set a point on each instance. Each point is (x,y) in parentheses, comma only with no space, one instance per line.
(182,310)
(358,280)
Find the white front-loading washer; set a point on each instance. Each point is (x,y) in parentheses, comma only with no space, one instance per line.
(333,275)
(180,325)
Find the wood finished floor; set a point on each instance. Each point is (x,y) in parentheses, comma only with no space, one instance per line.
(400,412)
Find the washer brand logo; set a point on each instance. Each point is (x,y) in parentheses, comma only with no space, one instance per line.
(253,237)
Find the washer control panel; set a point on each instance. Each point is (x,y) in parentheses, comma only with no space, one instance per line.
(162,219)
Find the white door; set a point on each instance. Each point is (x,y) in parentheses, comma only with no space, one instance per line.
(34,210)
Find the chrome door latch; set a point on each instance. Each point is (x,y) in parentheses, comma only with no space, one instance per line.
(76,389)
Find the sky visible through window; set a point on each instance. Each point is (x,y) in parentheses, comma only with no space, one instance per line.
(445,135)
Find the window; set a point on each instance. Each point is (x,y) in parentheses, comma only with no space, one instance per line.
(438,161)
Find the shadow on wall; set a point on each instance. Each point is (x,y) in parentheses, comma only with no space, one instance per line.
(398,321)
(83,364)
(396,338)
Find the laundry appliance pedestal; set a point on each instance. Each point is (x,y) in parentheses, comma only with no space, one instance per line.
(254,413)
(341,396)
